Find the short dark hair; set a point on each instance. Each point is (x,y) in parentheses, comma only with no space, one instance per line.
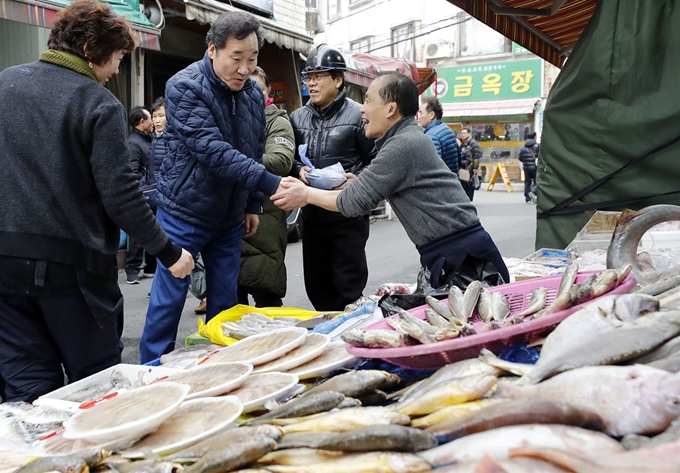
(433,105)
(401,89)
(336,73)
(137,115)
(259,72)
(531,135)
(158,103)
(466,129)
(92,24)
(237,25)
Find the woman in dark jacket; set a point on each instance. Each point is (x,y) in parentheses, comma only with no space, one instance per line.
(66,192)
(263,268)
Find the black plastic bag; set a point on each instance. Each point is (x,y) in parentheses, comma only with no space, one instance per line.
(471,269)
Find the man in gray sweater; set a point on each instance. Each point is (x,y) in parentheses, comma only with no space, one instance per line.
(426,197)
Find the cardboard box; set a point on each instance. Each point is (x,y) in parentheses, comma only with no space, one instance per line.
(596,233)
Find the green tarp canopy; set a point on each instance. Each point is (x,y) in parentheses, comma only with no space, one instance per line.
(611,132)
(128,9)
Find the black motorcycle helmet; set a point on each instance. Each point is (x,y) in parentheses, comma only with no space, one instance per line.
(325,58)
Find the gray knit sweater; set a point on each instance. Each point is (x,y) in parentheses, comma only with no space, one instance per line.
(407,171)
(66,184)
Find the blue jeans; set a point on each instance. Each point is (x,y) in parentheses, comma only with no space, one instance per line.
(221,251)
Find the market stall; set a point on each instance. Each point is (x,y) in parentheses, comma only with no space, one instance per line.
(536,375)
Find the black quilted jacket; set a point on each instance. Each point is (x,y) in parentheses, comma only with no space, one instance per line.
(212,173)
(334,135)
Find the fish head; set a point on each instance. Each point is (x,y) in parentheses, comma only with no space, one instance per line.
(629,307)
(79,467)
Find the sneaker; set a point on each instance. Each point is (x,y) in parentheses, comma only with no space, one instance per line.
(202,307)
(132,279)
(533,197)
(148,275)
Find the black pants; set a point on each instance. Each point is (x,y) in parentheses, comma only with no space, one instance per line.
(469,188)
(261,298)
(444,255)
(134,257)
(334,262)
(40,334)
(529,181)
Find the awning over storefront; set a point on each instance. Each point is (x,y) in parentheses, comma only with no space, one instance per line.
(363,68)
(547,28)
(490,109)
(42,13)
(207,11)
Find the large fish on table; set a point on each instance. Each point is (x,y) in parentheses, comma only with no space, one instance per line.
(519,412)
(623,247)
(459,369)
(396,438)
(662,459)
(375,462)
(513,465)
(447,393)
(347,419)
(629,399)
(357,383)
(577,341)
(497,443)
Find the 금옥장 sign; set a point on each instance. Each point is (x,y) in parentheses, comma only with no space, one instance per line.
(493,81)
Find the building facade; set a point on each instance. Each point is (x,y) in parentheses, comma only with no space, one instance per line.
(484,81)
(172,36)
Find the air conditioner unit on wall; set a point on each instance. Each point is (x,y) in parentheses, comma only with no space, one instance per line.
(437,49)
(311,20)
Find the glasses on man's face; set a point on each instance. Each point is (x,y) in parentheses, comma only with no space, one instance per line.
(314,78)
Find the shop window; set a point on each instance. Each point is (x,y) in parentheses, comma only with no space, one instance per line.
(500,131)
(403,41)
(477,39)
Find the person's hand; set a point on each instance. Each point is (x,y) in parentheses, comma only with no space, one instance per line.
(291,194)
(251,223)
(303,174)
(182,268)
(350,177)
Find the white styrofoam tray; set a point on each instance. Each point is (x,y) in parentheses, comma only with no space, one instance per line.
(132,372)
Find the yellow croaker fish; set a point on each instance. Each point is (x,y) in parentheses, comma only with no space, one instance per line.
(350,418)
(375,462)
(447,393)
(299,456)
(452,412)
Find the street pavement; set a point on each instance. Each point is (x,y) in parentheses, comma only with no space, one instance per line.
(391,258)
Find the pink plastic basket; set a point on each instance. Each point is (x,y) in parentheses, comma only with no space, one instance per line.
(435,355)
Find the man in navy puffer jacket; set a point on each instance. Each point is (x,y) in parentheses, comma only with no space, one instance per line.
(430,118)
(212,178)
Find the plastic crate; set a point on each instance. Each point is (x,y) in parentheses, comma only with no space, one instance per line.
(435,355)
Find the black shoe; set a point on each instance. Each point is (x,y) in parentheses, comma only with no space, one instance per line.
(132,279)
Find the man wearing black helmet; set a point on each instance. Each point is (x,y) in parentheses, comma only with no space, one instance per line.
(333,247)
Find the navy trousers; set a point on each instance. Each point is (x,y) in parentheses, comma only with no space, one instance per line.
(40,334)
(444,255)
(220,248)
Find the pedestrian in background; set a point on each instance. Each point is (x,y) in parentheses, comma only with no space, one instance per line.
(263,255)
(333,247)
(475,153)
(430,118)
(212,178)
(139,141)
(66,192)
(528,156)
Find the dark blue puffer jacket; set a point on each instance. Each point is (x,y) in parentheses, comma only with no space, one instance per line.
(212,173)
(444,140)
